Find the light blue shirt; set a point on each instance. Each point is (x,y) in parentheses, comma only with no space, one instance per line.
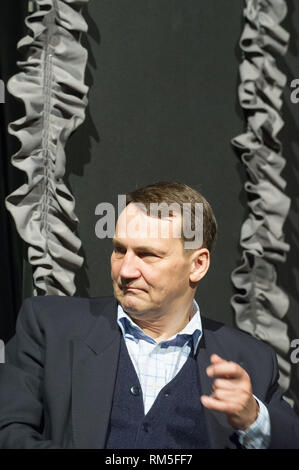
(156,364)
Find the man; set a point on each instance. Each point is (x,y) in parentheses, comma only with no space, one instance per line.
(143,369)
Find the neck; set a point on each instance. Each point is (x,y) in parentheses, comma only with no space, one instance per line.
(164,326)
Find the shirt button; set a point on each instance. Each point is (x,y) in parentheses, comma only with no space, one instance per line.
(166,394)
(135,390)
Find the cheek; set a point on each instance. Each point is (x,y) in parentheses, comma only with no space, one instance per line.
(167,276)
(115,268)
(179,274)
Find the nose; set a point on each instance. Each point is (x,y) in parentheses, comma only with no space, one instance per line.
(129,267)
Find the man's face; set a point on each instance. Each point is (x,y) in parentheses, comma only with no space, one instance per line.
(150,273)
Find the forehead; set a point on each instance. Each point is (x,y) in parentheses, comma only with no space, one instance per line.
(134,223)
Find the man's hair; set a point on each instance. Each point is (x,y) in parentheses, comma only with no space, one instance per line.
(178,193)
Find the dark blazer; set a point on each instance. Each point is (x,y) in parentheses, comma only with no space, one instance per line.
(56,387)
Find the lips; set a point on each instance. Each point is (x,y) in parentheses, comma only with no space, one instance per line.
(132,289)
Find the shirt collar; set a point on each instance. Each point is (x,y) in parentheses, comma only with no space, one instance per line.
(192,331)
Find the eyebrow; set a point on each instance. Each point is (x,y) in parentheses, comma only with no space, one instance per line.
(143,248)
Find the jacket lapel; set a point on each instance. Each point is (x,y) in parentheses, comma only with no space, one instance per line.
(221,434)
(94,373)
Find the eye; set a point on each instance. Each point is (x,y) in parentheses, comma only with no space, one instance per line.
(119,250)
(146,254)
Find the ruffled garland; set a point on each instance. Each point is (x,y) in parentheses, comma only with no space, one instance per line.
(260,304)
(51,85)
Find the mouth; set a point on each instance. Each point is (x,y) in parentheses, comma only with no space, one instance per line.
(132,289)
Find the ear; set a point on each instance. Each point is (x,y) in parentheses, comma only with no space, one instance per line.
(200,263)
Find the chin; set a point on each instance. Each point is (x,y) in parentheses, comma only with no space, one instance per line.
(131,304)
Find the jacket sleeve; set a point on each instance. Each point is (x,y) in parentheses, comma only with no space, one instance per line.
(21,385)
(283,420)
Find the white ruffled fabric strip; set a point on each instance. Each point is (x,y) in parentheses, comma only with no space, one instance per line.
(51,86)
(260,304)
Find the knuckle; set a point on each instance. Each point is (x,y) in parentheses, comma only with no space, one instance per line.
(244,398)
(234,366)
(247,393)
(217,383)
(217,394)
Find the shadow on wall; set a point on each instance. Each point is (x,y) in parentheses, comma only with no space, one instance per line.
(239,165)
(80,154)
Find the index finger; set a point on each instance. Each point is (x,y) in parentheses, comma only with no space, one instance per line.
(226,368)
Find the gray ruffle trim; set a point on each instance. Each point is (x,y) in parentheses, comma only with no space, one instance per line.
(260,304)
(51,85)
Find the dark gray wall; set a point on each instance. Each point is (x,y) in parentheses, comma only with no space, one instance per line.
(163,106)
